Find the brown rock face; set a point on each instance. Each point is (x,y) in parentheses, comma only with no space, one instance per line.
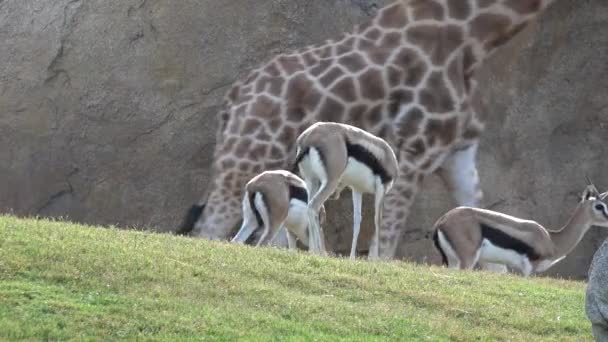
(108,109)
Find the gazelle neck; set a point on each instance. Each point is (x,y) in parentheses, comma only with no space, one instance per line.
(570,234)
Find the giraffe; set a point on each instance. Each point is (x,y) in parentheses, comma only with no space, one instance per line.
(407,76)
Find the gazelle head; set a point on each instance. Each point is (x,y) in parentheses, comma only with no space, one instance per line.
(593,202)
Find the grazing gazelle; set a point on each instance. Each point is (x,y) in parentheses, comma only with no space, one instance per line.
(466,235)
(274,200)
(331,156)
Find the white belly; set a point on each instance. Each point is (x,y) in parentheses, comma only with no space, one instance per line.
(494,254)
(359,177)
(297,220)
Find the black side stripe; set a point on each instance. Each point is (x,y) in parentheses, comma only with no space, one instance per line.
(444,258)
(501,239)
(258,217)
(364,156)
(298,193)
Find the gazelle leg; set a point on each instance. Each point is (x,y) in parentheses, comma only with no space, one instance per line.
(291,240)
(378,206)
(263,210)
(249,224)
(459,172)
(337,192)
(357,198)
(314,205)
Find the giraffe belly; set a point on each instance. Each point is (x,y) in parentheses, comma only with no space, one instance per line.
(489,252)
(359,177)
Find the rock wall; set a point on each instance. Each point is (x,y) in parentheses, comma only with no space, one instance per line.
(107,109)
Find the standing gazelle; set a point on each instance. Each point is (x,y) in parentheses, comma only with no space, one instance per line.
(331,156)
(273,200)
(465,236)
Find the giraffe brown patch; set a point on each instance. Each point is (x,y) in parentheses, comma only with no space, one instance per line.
(365,44)
(437,42)
(290,64)
(263,135)
(441,131)
(228,144)
(331,110)
(275,124)
(331,76)
(355,115)
(459,9)
(394,76)
(435,97)
(251,125)
(472,132)
(242,148)
(299,91)
(273,85)
(258,152)
(353,62)
(256,169)
(374,115)
(234,127)
(412,65)
(394,16)
(407,125)
(372,84)
(265,108)
(524,7)
(309,59)
(233,94)
(288,136)
(321,67)
(345,89)
(324,52)
(276,153)
(400,215)
(345,46)
(456,76)
(396,99)
(427,9)
(487,26)
(378,56)
(384,131)
(391,40)
(228,164)
(272,70)
(416,148)
(244,166)
(373,34)
(485,3)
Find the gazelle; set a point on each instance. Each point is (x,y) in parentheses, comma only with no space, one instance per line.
(274,200)
(466,235)
(331,156)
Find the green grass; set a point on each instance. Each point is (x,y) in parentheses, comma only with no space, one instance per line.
(62,281)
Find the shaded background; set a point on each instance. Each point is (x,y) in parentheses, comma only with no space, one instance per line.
(108,109)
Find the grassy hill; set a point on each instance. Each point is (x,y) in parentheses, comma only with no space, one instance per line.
(64,281)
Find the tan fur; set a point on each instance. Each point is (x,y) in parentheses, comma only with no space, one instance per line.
(274,188)
(329,139)
(462,231)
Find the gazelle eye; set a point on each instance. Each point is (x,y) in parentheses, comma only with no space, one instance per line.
(599,207)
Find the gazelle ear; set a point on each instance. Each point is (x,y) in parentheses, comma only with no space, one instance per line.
(604,195)
(589,192)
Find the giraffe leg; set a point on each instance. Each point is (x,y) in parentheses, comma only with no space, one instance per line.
(396,209)
(357,199)
(459,172)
